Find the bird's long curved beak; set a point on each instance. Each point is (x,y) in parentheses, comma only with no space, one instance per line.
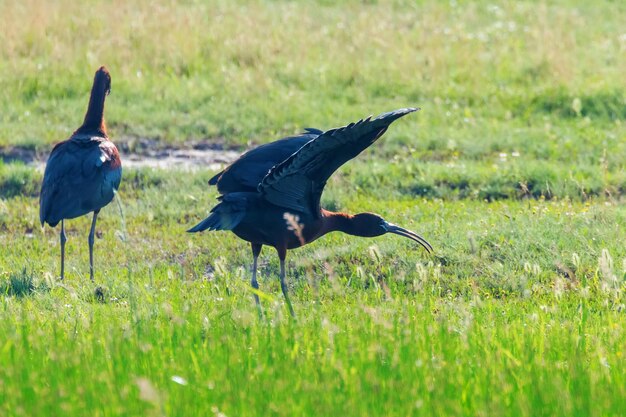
(392,228)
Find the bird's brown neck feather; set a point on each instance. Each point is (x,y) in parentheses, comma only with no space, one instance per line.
(94,118)
(336,222)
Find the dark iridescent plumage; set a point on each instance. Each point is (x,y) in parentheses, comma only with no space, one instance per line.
(258,203)
(83,172)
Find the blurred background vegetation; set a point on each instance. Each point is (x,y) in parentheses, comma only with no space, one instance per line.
(518,98)
(515,171)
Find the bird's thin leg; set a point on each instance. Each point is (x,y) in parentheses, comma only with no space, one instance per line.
(91,241)
(282,254)
(63,240)
(256,251)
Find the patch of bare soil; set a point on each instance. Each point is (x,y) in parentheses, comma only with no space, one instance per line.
(19,153)
(150,153)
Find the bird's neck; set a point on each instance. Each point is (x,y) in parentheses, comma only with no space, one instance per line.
(337,222)
(94,118)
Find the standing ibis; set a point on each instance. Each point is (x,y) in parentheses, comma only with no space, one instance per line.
(271,194)
(83,172)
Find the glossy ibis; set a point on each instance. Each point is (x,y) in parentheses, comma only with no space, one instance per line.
(271,194)
(83,172)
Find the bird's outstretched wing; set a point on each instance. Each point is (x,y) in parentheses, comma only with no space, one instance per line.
(245,174)
(297,182)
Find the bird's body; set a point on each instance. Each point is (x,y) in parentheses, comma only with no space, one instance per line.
(83,172)
(81,176)
(265,224)
(271,195)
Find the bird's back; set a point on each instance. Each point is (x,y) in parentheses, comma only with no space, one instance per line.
(81,176)
(245,174)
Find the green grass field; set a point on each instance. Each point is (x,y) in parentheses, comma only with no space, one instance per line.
(514,169)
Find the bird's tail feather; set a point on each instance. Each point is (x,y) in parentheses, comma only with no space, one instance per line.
(211,223)
(219,220)
(215,178)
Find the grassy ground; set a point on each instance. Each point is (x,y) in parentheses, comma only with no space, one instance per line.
(515,171)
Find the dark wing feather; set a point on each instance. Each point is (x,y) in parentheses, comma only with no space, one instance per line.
(297,182)
(245,174)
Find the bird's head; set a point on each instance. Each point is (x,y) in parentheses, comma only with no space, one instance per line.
(103,79)
(372,225)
